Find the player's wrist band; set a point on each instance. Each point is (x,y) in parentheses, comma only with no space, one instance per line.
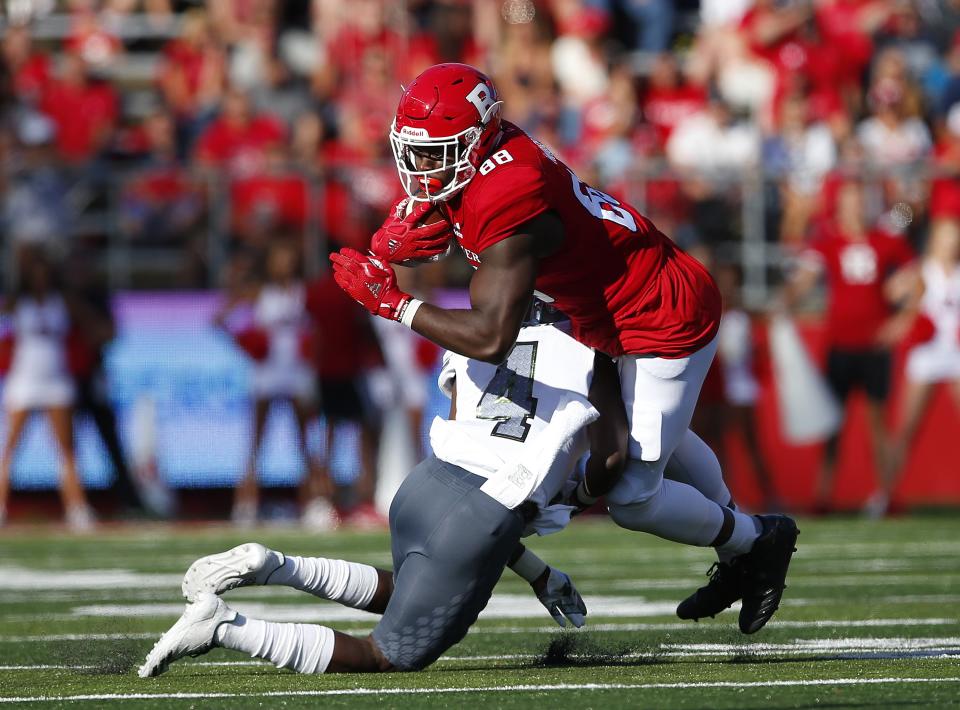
(529,566)
(408,310)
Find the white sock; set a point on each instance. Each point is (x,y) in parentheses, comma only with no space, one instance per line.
(675,512)
(349,583)
(305,648)
(746,530)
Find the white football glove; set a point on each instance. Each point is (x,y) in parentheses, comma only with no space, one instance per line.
(562,599)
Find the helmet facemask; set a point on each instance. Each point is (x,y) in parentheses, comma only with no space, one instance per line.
(456,158)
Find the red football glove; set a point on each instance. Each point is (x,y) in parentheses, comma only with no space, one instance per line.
(370,282)
(399,239)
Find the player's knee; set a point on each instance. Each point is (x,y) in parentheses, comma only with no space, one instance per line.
(405,652)
(640,481)
(381,664)
(630,516)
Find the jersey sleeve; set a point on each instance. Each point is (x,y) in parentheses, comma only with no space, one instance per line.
(508,199)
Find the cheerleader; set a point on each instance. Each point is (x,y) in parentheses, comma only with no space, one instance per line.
(39,381)
(281,373)
(934,357)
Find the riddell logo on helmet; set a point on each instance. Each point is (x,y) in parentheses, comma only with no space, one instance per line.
(414,132)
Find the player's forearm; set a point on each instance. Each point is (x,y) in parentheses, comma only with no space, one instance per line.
(608,436)
(468,332)
(603,473)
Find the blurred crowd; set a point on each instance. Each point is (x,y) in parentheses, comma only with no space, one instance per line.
(217,129)
(242,102)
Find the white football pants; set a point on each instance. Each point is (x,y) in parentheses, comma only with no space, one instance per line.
(660,395)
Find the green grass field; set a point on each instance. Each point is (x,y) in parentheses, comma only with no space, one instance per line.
(869,620)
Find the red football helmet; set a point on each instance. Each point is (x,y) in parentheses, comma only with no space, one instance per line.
(446,123)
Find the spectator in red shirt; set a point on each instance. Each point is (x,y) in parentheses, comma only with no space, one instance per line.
(945,189)
(269,201)
(192,70)
(84,111)
(238,141)
(91,40)
(857,263)
(365,27)
(848,26)
(669,99)
(160,203)
(449,38)
(29,70)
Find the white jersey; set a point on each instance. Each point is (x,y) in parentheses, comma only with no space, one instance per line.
(38,376)
(280,311)
(939,358)
(522,424)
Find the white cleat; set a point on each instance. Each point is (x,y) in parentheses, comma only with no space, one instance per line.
(250,563)
(192,635)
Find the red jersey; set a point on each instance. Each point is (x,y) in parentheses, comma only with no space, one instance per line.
(84,116)
(855,273)
(625,286)
(665,108)
(346,345)
(240,148)
(945,191)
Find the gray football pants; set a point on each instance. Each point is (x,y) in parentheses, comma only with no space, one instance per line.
(450,544)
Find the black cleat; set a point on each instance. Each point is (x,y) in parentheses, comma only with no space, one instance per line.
(765,571)
(724,588)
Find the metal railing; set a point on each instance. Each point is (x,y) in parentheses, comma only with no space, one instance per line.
(100,204)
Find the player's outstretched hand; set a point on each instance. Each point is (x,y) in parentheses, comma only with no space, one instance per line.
(370,282)
(403,238)
(561,598)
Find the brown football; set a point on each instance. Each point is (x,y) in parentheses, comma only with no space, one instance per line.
(432,217)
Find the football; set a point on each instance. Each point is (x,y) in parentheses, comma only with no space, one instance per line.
(432,217)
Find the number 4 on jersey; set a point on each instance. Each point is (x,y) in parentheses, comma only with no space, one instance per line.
(509,396)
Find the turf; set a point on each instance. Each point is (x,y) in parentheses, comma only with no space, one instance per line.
(869,620)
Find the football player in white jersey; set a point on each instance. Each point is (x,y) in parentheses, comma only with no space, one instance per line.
(513,441)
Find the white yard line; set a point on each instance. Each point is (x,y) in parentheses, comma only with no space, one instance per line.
(640,626)
(944,647)
(496,689)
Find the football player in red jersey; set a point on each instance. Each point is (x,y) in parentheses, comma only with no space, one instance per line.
(529,225)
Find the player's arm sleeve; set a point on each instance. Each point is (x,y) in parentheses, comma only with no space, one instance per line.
(504,204)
